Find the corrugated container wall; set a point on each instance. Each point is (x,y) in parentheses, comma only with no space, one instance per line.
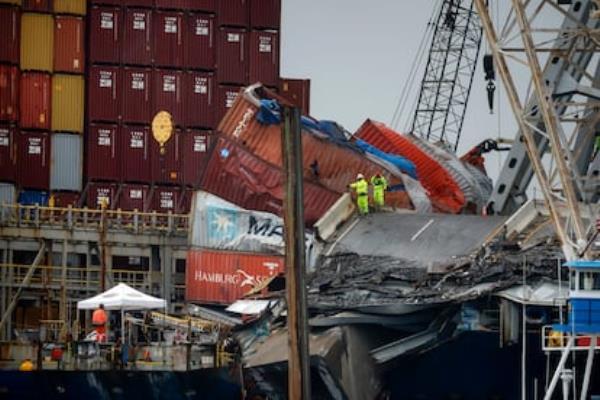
(9,93)
(195,146)
(232,55)
(104,93)
(200,5)
(226,96)
(69,53)
(8,195)
(170,4)
(66,164)
(264,57)
(34,100)
(102,161)
(77,7)
(136,48)
(134,197)
(67,103)
(37,5)
(99,193)
(33,160)
(137,3)
(169,38)
(8,158)
(66,199)
(136,100)
(166,168)
(242,178)
(233,12)
(165,199)
(297,92)
(135,153)
(168,96)
(265,14)
(224,277)
(199,51)
(105,30)
(37,42)
(199,99)
(10,22)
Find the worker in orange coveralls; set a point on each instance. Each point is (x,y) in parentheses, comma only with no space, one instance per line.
(99,319)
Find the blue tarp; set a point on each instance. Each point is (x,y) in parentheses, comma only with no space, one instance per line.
(402,163)
(33,197)
(269,114)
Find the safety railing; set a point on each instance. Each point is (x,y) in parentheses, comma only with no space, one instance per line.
(553,340)
(70,218)
(76,278)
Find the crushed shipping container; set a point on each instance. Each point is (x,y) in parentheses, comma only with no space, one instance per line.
(105,34)
(67,103)
(243,178)
(37,42)
(223,277)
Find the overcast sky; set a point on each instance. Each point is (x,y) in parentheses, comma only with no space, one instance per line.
(358,55)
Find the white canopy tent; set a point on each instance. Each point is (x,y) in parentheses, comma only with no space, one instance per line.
(124,298)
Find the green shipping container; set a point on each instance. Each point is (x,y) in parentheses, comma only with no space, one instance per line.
(67,103)
(37,42)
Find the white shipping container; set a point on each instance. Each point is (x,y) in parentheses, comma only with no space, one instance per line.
(66,165)
(8,195)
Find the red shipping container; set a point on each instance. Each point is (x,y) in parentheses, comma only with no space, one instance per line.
(134,153)
(109,2)
(8,137)
(195,149)
(170,4)
(134,197)
(232,55)
(265,14)
(37,5)
(10,32)
(165,199)
(9,93)
(66,199)
(69,52)
(104,87)
(200,5)
(33,160)
(233,12)
(136,91)
(297,92)
(169,38)
(199,52)
(136,48)
(138,3)
(102,152)
(264,57)
(105,34)
(35,100)
(101,193)
(226,96)
(199,99)
(166,168)
(243,178)
(168,96)
(185,201)
(223,277)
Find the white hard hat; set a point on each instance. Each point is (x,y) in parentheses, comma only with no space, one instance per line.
(360,176)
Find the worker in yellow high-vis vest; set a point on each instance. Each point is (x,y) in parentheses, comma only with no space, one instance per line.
(379,187)
(361,187)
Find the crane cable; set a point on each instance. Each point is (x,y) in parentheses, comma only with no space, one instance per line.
(417,62)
